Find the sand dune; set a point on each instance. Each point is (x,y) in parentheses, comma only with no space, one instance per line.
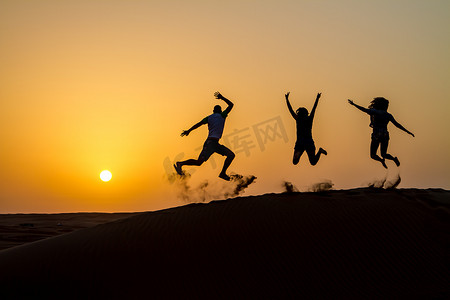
(18,229)
(361,243)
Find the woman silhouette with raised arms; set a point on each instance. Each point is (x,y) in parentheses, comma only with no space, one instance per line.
(304,133)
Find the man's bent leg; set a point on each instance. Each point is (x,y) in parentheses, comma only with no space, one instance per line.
(230,156)
(190,162)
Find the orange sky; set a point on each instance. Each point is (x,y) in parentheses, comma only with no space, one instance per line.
(93,85)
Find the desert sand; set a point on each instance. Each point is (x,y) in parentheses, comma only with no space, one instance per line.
(359,243)
(18,229)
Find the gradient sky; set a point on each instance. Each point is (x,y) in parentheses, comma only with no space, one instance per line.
(93,85)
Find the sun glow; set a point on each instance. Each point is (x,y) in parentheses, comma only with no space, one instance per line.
(105,175)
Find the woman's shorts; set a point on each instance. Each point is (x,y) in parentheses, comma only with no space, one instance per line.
(380,136)
(304,144)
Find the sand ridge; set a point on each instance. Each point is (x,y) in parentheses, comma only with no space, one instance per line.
(360,243)
(18,229)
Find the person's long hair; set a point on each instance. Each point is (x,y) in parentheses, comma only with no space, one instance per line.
(379,103)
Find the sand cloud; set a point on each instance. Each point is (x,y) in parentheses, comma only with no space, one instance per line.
(210,189)
(385,183)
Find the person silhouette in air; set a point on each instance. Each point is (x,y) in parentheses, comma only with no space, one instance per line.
(216,123)
(379,119)
(304,133)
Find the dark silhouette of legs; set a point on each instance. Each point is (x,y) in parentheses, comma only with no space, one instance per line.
(230,156)
(190,162)
(384,154)
(210,146)
(373,152)
(297,155)
(313,156)
(310,150)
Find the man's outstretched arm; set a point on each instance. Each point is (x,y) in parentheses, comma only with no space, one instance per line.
(358,107)
(294,115)
(230,104)
(186,132)
(399,126)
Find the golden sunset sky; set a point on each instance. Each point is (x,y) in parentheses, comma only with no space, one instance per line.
(92,85)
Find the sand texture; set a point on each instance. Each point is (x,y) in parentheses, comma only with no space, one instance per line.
(352,244)
(18,229)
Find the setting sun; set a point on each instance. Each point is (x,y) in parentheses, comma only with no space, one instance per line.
(105,175)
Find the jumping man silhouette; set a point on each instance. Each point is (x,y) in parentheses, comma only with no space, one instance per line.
(216,123)
(304,133)
(379,119)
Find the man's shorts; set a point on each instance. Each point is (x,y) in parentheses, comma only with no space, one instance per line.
(212,146)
